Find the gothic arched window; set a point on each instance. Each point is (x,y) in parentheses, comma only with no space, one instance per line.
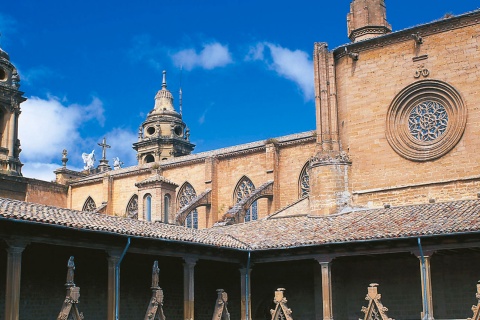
(191,221)
(132,208)
(185,196)
(147,207)
(244,189)
(166,207)
(304,182)
(89,205)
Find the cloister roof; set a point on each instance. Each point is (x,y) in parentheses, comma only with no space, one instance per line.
(271,233)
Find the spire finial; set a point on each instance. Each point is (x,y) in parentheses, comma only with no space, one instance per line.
(164,81)
(180,91)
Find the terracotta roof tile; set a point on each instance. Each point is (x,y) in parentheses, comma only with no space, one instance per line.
(273,233)
(36,213)
(391,223)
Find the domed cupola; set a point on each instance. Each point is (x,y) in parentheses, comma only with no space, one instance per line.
(10,99)
(163,99)
(163,134)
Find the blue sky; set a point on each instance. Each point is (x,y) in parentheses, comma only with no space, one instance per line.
(92,68)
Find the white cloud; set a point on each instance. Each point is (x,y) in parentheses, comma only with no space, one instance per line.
(46,127)
(213,55)
(256,52)
(42,171)
(201,120)
(294,65)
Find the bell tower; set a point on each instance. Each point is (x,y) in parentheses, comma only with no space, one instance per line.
(163,135)
(367,19)
(10,99)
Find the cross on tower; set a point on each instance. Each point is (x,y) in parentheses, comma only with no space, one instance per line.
(104,146)
(103,166)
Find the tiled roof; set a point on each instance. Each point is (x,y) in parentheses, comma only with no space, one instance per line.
(375,224)
(273,233)
(78,220)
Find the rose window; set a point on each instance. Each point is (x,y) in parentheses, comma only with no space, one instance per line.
(425,120)
(428,121)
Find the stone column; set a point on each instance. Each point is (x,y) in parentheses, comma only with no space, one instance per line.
(11,136)
(244,288)
(113,258)
(188,288)
(14,271)
(325,266)
(427,300)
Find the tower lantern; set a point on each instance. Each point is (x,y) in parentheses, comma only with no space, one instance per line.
(163,135)
(10,99)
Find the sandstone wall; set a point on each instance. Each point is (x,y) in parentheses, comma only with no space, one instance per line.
(48,193)
(221,173)
(366,88)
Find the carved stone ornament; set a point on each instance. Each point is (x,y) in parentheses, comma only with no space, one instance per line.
(155,307)
(329,157)
(221,312)
(375,309)
(132,208)
(304,182)
(89,205)
(476,308)
(426,120)
(71,272)
(69,308)
(281,311)
(421,72)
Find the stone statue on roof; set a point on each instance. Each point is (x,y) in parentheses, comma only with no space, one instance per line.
(88,160)
(117,164)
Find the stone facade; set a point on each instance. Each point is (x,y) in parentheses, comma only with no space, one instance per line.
(219,170)
(388,182)
(364,154)
(366,89)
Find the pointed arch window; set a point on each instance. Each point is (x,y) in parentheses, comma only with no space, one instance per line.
(185,196)
(89,205)
(304,182)
(244,189)
(147,207)
(132,208)
(191,221)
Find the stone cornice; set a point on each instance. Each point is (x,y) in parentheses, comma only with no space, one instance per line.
(162,139)
(293,139)
(439,26)
(112,174)
(84,182)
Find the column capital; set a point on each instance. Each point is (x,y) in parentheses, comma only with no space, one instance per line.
(426,253)
(322,259)
(16,245)
(114,253)
(243,270)
(189,261)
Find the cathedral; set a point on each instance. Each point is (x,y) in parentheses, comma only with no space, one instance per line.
(383,197)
